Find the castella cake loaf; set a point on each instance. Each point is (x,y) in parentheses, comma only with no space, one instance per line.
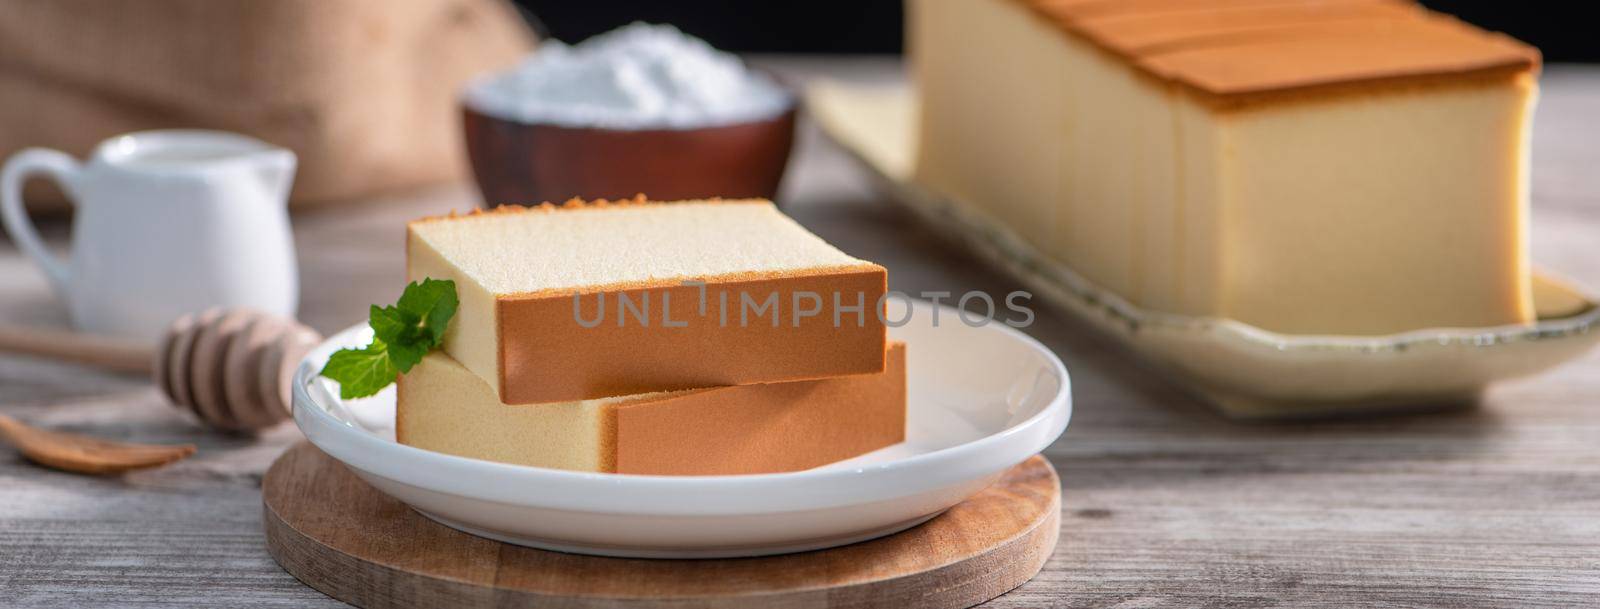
(1304,166)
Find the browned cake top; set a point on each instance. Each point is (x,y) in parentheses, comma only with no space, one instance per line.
(1240,48)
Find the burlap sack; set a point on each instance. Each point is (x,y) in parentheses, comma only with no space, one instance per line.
(364,90)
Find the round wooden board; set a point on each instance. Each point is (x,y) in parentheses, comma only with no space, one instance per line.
(341,536)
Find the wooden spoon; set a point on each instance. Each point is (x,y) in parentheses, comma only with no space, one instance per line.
(86,455)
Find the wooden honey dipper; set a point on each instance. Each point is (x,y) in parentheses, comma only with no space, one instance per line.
(230,367)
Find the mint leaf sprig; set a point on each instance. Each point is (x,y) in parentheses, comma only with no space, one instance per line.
(401,334)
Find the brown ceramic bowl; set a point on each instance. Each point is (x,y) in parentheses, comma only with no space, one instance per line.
(528,163)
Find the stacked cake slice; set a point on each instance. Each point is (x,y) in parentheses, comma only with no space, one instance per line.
(714,337)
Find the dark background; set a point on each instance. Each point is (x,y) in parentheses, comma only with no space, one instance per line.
(1561,29)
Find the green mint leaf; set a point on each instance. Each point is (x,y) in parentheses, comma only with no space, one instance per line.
(402,334)
(430,304)
(361,372)
(387,324)
(444,308)
(416,323)
(409,350)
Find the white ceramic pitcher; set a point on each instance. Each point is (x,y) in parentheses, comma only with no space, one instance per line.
(166,223)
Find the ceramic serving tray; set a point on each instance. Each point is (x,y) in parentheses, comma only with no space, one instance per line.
(1244,370)
(979,401)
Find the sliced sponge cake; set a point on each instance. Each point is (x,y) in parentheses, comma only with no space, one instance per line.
(727,430)
(591,300)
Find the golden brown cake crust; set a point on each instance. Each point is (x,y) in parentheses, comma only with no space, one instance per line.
(551,357)
(1238,53)
(763,428)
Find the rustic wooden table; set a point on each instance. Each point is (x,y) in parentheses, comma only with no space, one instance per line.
(1165,503)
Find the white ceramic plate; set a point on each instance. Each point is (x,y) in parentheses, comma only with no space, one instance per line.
(980,400)
(1244,370)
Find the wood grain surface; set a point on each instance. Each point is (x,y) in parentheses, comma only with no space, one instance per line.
(347,539)
(1164,502)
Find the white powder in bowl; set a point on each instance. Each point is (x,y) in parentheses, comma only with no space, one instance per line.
(639,76)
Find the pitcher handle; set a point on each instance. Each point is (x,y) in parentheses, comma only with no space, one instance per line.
(42,161)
